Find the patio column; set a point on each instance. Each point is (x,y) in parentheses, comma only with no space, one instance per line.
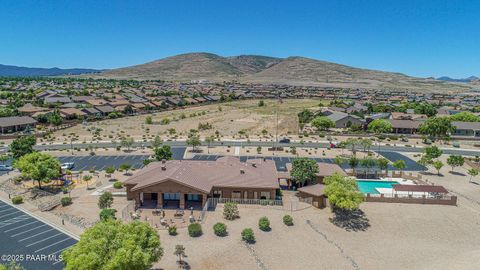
(204,199)
(159,199)
(182,200)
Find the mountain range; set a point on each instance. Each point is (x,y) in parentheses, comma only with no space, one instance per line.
(293,70)
(16,71)
(470,79)
(259,69)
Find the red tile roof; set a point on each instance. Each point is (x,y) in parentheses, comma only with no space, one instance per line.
(203,175)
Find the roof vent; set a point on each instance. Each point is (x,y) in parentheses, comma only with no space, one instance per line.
(164,168)
(242,171)
(264,159)
(254,165)
(164,161)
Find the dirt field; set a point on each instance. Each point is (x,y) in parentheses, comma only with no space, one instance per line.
(228,119)
(395,236)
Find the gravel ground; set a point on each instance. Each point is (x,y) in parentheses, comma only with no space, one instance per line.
(391,236)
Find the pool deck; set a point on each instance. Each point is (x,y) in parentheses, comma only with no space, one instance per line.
(389,191)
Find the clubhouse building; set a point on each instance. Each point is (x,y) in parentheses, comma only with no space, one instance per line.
(189,183)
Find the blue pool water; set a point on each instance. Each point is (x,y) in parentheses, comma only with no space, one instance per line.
(366,186)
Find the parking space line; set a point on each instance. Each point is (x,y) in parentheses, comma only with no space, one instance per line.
(31,236)
(58,250)
(57,262)
(14,220)
(16,212)
(58,242)
(9,230)
(39,241)
(20,233)
(7,209)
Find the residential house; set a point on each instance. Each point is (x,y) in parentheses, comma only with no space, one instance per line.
(189,183)
(16,123)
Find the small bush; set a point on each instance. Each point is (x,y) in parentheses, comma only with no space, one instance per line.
(264,224)
(118,185)
(66,201)
(107,213)
(17,200)
(220,229)
(195,230)
(172,230)
(248,236)
(230,211)
(288,220)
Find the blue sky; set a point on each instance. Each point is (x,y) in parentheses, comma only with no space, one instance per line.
(420,38)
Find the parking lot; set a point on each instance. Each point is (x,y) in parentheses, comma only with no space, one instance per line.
(281,162)
(85,163)
(35,244)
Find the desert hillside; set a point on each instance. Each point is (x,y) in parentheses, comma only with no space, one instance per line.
(264,69)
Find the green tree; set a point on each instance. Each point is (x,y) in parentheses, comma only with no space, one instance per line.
(472,172)
(465,117)
(380,126)
(304,170)
(455,161)
(432,152)
(157,142)
(208,141)
(55,118)
(305,116)
(127,142)
(382,163)
(366,144)
(342,192)
(105,200)
(399,165)
(39,167)
(125,167)
(437,127)
(113,245)
(22,146)
(164,152)
(180,253)
(261,103)
(437,164)
(87,178)
(107,213)
(322,123)
(339,160)
(368,163)
(353,163)
(194,141)
(148,120)
(4,158)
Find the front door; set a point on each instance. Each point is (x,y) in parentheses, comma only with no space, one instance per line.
(154,196)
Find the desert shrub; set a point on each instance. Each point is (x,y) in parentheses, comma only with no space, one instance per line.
(105,200)
(66,201)
(230,211)
(220,229)
(107,213)
(172,230)
(288,220)
(17,200)
(248,236)
(118,185)
(264,224)
(195,230)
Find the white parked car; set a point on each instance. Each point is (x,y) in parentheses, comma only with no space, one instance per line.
(68,165)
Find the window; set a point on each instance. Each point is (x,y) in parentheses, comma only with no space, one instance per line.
(245,194)
(255,195)
(265,195)
(217,194)
(171,196)
(193,197)
(236,194)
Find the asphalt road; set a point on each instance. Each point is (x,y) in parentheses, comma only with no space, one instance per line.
(35,244)
(258,143)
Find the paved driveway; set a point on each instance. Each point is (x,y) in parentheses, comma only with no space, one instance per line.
(36,244)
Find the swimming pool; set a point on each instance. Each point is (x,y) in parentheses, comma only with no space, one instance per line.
(369,186)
